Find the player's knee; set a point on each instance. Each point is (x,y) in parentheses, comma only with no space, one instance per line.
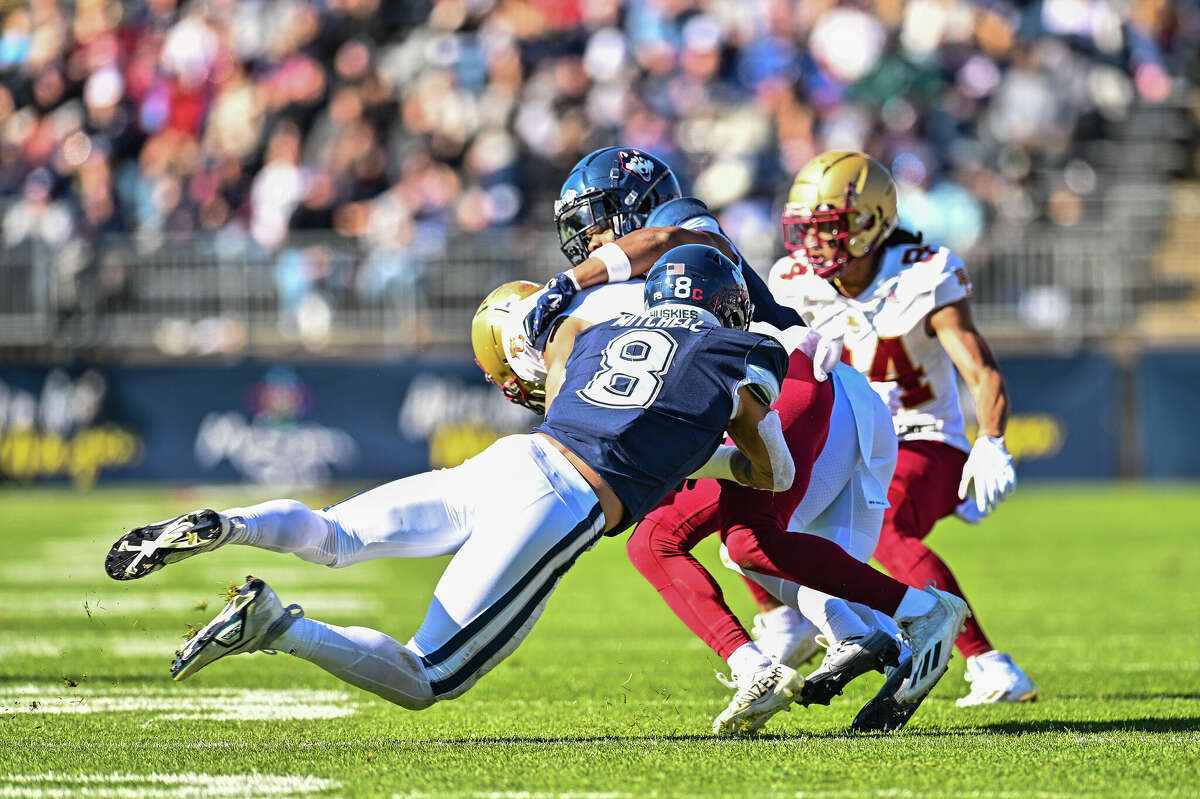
(743,547)
(645,545)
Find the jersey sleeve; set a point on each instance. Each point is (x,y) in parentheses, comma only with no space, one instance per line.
(766,365)
(954,283)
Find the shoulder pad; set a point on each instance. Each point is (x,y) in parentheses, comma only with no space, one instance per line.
(675,213)
(930,269)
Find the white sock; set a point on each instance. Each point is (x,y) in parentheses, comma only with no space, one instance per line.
(782,618)
(285,525)
(832,615)
(361,656)
(747,659)
(914,604)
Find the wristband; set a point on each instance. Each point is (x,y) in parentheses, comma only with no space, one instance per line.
(616,262)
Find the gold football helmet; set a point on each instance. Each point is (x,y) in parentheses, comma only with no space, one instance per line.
(487,331)
(848,199)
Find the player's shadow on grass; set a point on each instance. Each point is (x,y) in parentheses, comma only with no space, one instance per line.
(1159,725)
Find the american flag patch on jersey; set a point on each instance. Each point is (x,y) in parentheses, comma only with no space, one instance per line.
(674,269)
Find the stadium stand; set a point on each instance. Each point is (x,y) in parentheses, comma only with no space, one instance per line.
(351,176)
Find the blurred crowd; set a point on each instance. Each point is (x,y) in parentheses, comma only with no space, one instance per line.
(400,125)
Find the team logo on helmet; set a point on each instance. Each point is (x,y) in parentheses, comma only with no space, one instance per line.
(637,164)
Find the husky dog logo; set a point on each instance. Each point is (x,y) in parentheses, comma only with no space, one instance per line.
(635,163)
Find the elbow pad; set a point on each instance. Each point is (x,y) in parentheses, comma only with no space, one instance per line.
(783,468)
(719,466)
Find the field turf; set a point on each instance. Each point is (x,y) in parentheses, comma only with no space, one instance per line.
(1094,590)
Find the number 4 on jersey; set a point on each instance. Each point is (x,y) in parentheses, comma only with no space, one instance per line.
(891,362)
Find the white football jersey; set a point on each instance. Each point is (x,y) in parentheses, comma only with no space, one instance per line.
(884,332)
(596,304)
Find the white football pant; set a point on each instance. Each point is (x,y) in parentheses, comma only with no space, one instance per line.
(516,517)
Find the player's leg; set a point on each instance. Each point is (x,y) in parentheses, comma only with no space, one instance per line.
(924,490)
(529,528)
(660,549)
(419,516)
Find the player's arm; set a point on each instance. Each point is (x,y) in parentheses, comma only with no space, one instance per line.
(558,350)
(760,458)
(989,465)
(633,254)
(630,256)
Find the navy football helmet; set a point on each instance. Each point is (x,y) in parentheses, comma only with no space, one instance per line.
(700,276)
(613,187)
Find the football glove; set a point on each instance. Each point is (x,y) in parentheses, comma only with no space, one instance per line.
(990,468)
(824,352)
(553,301)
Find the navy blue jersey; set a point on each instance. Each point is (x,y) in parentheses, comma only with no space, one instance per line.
(645,400)
(693,214)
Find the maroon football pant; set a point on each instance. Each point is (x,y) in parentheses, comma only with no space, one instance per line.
(923,490)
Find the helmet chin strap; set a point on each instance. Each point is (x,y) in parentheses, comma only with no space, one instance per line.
(681,310)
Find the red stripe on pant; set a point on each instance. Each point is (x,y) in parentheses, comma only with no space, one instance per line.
(923,490)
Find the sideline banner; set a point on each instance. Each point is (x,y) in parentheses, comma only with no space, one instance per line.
(278,424)
(1168,383)
(309,424)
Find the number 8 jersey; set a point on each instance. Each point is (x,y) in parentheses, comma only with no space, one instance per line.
(884,332)
(646,399)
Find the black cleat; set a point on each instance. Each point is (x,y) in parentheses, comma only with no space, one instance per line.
(887,711)
(147,549)
(847,660)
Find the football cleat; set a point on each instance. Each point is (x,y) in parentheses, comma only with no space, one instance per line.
(847,660)
(761,694)
(147,549)
(249,623)
(995,678)
(888,711)
(930,638)
(792,644)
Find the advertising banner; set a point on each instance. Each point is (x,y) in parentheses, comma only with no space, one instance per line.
(1063,417)
(309,424)
(1168,384)
(276,424)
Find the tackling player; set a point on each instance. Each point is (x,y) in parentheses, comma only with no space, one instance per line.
(643,402)
(900,307)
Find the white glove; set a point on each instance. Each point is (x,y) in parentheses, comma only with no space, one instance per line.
(969,512)
(894,403)
(990,467)
(824,352)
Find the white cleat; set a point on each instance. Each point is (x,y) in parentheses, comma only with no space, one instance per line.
(761,694)
(788,638)
(995,678)
(249,623)
(930,638)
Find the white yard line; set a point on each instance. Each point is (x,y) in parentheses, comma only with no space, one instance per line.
(189,785)
(215,704)
(110,604)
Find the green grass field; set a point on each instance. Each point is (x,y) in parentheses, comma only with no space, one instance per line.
(1094,590)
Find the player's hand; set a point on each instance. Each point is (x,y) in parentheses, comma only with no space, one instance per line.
(990,468)
(824,352)
(969,512)
(554,300)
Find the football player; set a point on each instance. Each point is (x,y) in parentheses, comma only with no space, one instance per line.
(643,402)
(619,208)
(899,305)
